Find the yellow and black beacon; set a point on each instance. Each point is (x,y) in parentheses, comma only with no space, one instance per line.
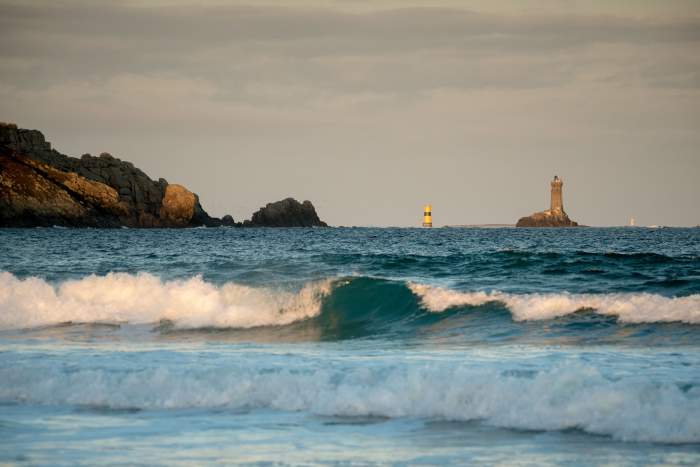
(428,215)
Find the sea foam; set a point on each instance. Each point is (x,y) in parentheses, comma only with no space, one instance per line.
(627,307)
(571,396)
(144,298)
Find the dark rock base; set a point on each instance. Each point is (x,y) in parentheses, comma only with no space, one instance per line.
(547,219)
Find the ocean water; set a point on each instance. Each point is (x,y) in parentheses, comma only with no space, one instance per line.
(350,346)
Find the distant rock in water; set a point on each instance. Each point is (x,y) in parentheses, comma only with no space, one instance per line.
(41,187)
(555,216)
(286,213)
(546,219)
(227,221)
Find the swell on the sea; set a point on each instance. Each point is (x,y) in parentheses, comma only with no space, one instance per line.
(195,303)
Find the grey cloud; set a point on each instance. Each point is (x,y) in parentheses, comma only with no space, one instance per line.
(234,46)
(426,25)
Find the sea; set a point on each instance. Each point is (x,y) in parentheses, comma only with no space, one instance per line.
(350,346)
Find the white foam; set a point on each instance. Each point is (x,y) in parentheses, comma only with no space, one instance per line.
(627,307)
(572,396)
(144,298)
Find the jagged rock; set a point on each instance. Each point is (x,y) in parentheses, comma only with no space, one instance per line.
(555,216)
(286,213)
(41,186)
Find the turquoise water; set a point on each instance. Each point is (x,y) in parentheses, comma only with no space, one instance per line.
(317,346)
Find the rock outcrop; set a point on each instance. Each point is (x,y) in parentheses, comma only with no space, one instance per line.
(178,205)
(546,219)
(39,186)
(42,187)
(29,197)
(555,216)
(286,213)
(227,221)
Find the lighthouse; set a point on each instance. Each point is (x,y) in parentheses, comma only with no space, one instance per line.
(555,216)
(557,203)
(427,216)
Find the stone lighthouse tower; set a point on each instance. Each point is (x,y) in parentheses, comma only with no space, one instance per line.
(555,215)
(557,203)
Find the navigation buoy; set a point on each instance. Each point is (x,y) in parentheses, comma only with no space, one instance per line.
(427,216)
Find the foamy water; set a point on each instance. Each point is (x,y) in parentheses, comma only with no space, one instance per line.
(562,397)
(144,298)
(627,307)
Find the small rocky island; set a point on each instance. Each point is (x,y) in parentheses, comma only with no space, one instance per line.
(39,186)
(555,216)
(286,213)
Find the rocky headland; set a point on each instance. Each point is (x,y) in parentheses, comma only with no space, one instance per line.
(39,186)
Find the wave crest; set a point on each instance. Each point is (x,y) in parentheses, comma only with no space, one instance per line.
(627,307)
(360,303)
(143,298)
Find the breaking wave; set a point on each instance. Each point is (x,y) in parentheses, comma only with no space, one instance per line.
(627,307)
(144,299)
(576,396)
(342,308)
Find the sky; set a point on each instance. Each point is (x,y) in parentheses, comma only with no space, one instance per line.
(370,109)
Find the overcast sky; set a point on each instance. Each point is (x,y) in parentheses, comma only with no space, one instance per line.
(371,109)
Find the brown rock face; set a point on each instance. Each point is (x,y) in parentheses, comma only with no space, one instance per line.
(36,194)
(178,206)
(27,198)
(86,191)
(42,187)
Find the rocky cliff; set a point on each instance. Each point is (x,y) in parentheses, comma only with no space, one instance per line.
(286,213)
(41,187)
